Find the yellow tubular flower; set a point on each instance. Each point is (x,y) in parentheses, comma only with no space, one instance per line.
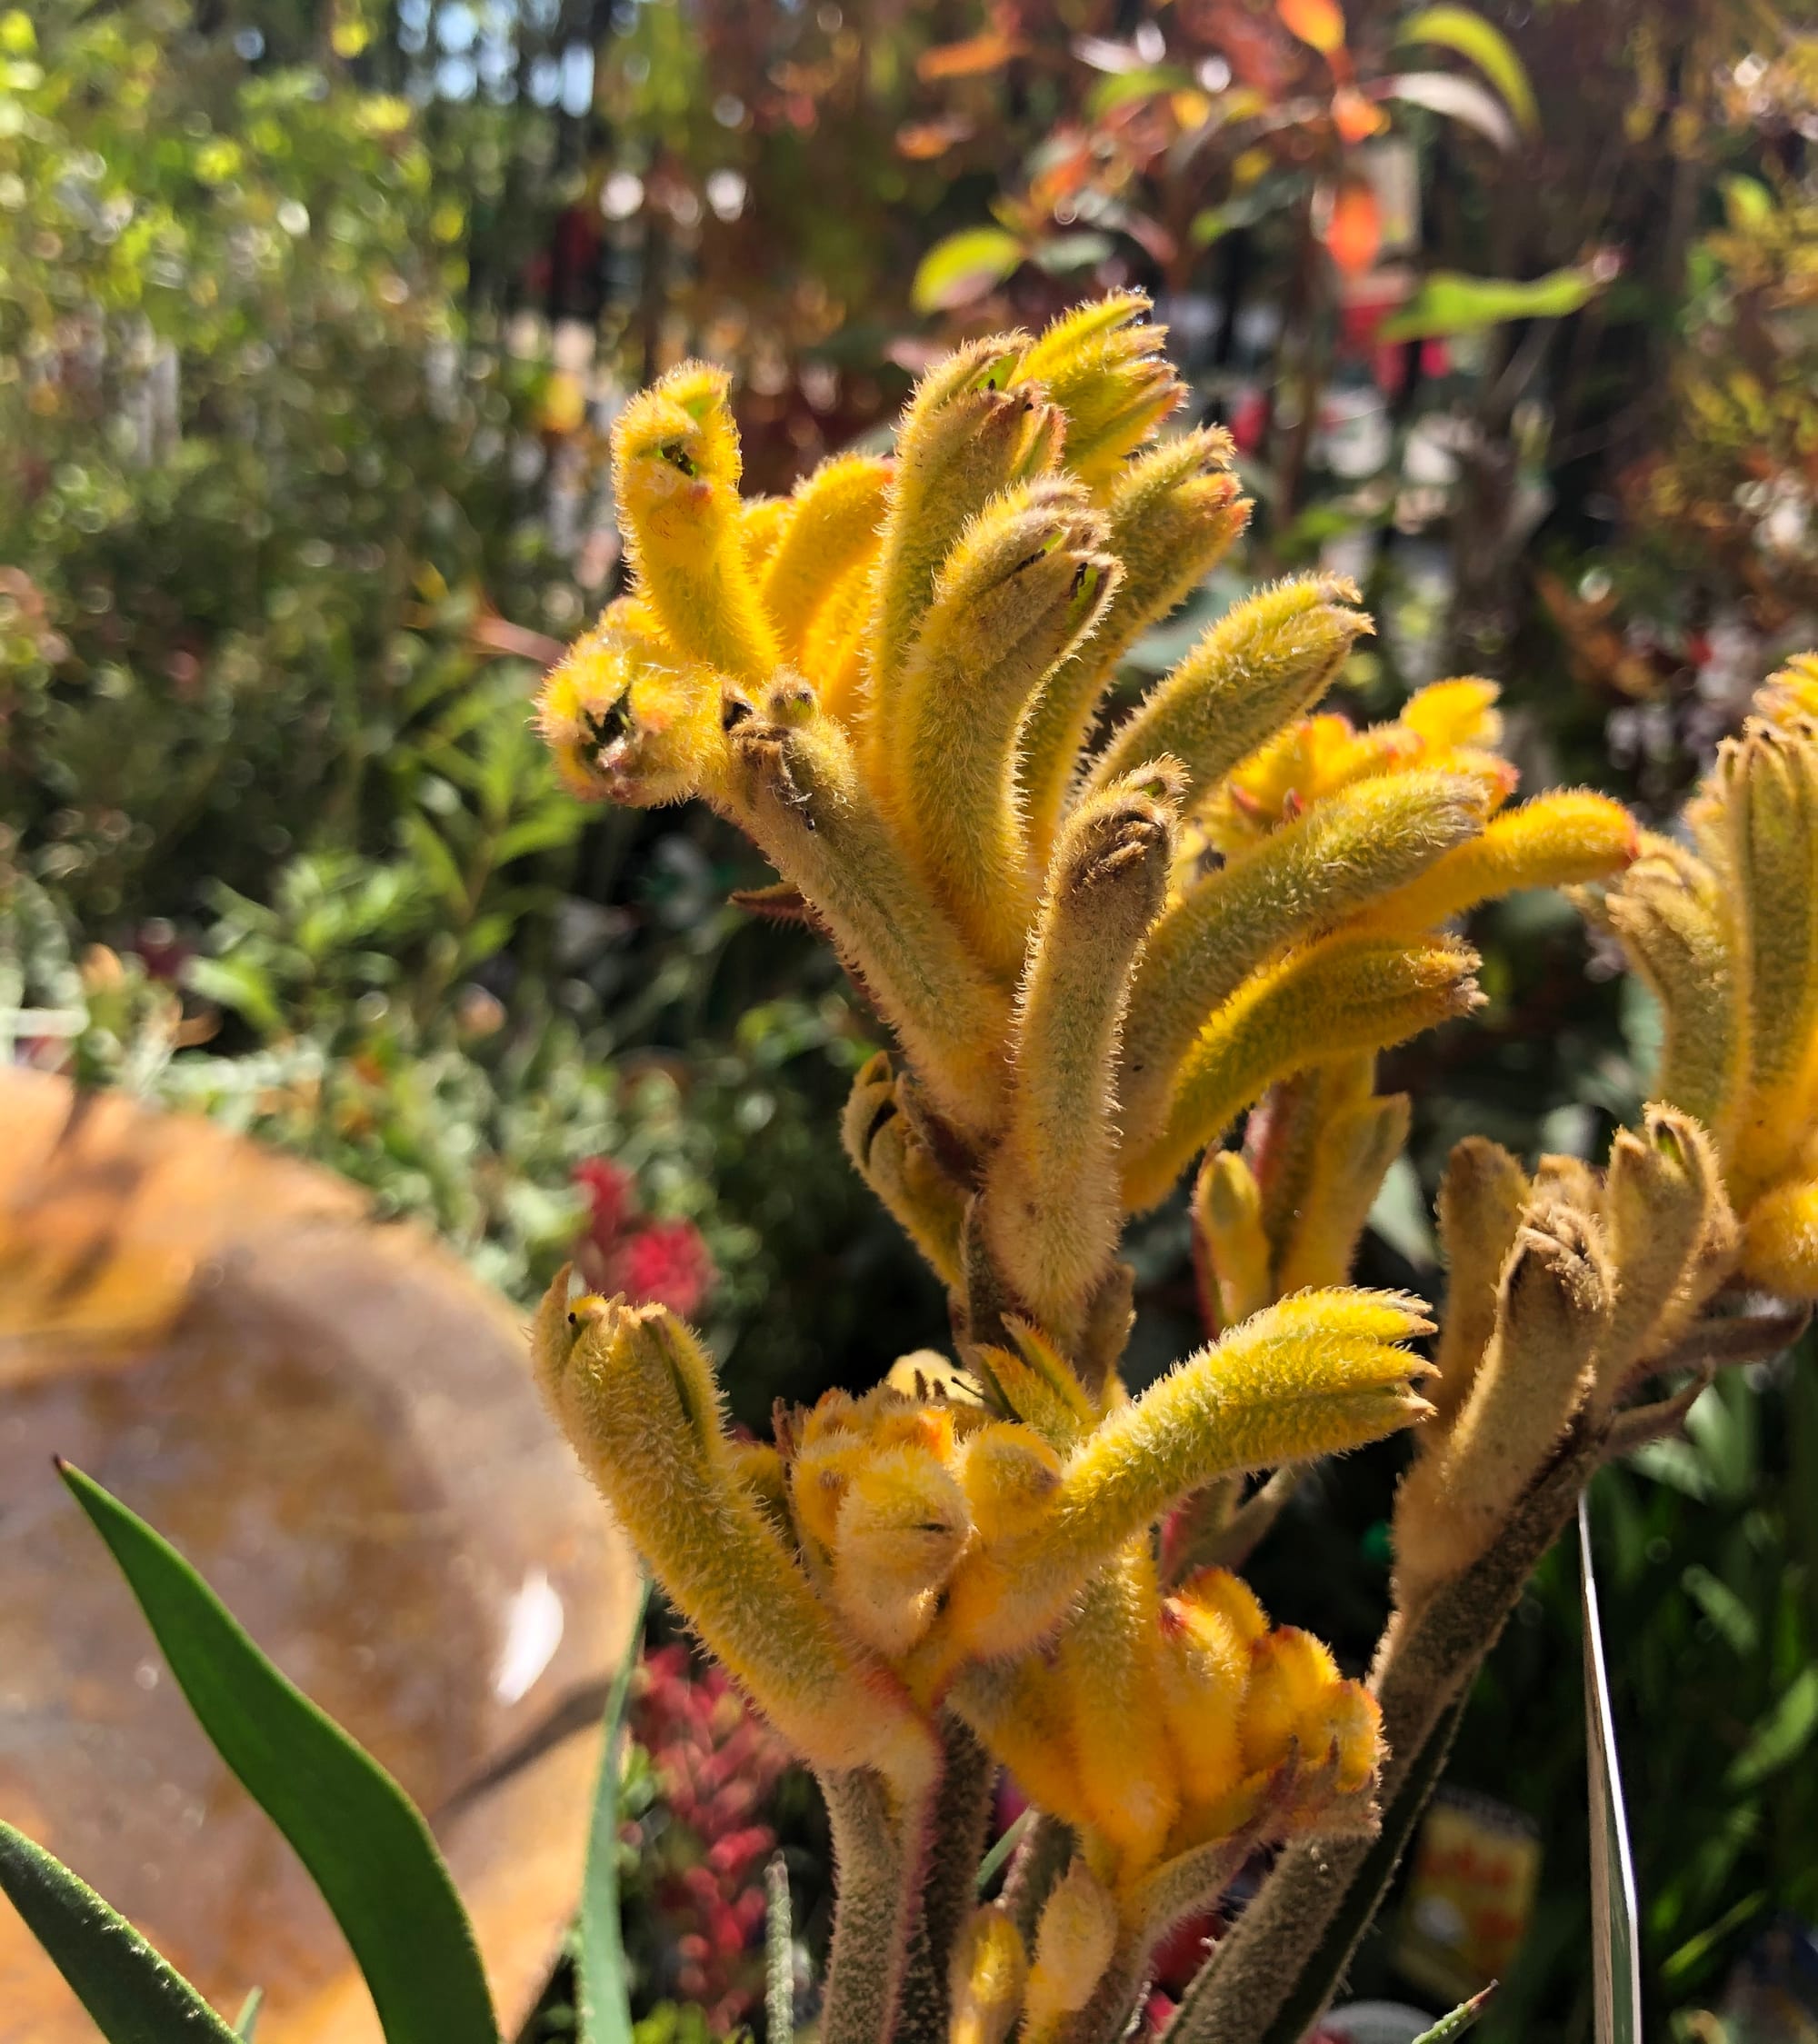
(1780,1239)
(833,527)
(1227,1211)
(1263,662)
(1074,1943)
(1171,517)
(1109,1660)
(1205,1667)
(888,1153)
(898,1533)
(1051,1208)
(1671,1239)
(799,795)
(635,1395)
(1556,839)
(1345,851)
(1102,364)
(1349,1161)
(1026,580)
(762,521)
(1790,698)
(1766,790)
(1337,998)
(986,1978)
(675,475)
(1671,912)
(626,720)
(964,438)
(1552,1313)
(1482,1199)
(1311,1376)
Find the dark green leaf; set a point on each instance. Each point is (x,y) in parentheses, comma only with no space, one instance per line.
(134,1997)
(366,1847)
(603,1994)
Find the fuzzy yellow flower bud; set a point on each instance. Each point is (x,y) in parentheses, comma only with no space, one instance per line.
(888,1152)
(1171,517)
(1051,1208)
(1074,1943)
(833,527)
(1263,662)
(1552,1313)
(986,1978)
(899,1530)
(1227,1211)
(1780,1240)
(1025,581)
(1205,1667)
(635,1394)
(1349,1162)
(626,720)
(1482,1199)
(1102,365)
(676,475)
(1340,856)
(1339,997)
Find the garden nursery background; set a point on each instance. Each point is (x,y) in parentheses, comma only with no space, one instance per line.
(315,319)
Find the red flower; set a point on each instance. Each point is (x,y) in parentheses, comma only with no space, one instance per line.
(666,1263)
(611,1191)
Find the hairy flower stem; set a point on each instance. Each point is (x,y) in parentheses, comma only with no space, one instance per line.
(1272,1975)
(879,1859)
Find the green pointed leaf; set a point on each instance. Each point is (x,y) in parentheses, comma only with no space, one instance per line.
(1449,303)
(132,1996)
(246,2023)
(367,1850)
(1481,43)
(605,1993)
(963,267)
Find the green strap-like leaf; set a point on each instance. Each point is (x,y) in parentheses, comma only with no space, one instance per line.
(365,1847)
(134,1997)
(605,1993)
(1463,29)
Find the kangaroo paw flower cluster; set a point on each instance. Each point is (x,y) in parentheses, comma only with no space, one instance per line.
(1096,943)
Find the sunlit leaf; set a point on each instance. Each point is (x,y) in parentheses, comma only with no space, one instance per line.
(963,267)
(1483,44)
(1459,99)
(1318,23)
(605,1993)
(1781,1737)
(1353,230)
(1463,2018)
(132,1995)
(970,59)
(1449,303)
(365,1847)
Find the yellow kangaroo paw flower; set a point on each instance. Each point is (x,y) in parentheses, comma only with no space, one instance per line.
(1313,1375)
(1052,1213)
(676,475)
(1298,1705)
(1227,1212)
(1340,997)
(1767,787)
(1205,1673)
(1349,1165)
(762,521)
(834,655)
(798,793)
(1675,922)
(1482,1199)
(833,525)
(1171,517)
(1026,581)
(1460,710)
(1040,1388)
(1341,854)
(1263,663)
(1109,1656)
(1074,1941)
(1552,1313)
(887,1152)
(1019,1711)
(1780,1240)
(626,720)
(1557,840)
(984,1984)
(964,438)
(1009,1473)
(1672,1239)
(1102,365)
(635,1395)
(898,1533)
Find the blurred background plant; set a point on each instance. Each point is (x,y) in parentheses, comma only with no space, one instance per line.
(314,319)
